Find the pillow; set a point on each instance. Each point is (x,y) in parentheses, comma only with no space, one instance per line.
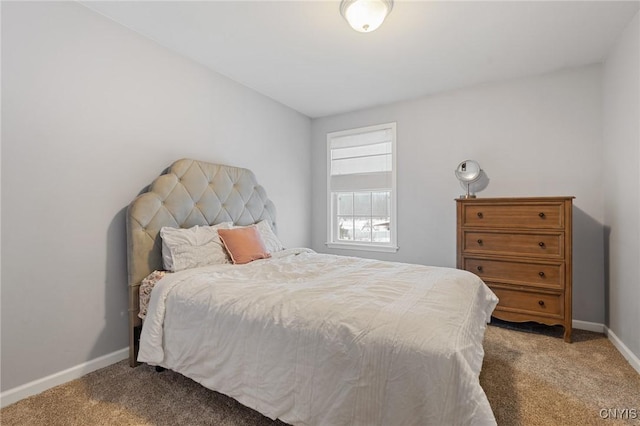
(192,247)
(243,244)
(271,241)
(145,290)
(269,238)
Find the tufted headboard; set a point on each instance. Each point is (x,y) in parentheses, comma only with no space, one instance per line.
(188,193)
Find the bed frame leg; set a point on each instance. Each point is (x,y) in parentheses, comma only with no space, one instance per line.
(159,369)
(134,344)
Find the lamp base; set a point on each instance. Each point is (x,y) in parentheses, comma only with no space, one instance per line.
(465,196)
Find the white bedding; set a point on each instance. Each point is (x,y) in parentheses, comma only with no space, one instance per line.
(318,339)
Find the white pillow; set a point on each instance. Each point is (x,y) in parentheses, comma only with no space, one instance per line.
(192,247)
(271,241)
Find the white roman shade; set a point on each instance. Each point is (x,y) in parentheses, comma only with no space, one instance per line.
(362,161)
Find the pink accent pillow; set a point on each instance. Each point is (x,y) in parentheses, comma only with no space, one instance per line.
(244,245)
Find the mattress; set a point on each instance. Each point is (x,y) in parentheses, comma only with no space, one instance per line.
(316,339)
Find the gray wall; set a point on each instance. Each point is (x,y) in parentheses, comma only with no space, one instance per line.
(91,113)
(533,137)
(622,186)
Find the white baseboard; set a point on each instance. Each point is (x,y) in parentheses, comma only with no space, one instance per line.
(16,394)
(589,326)
(624,350)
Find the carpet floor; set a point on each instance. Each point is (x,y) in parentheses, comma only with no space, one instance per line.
(530,376)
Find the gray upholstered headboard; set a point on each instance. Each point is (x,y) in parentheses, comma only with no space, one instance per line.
(188,193)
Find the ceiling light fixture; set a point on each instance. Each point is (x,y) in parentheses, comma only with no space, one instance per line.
(365,15)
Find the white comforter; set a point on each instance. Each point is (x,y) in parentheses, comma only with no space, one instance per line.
(318,339)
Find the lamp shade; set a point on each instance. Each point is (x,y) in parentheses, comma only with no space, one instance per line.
(365,15)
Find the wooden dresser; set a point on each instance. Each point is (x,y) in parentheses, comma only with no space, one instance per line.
(521,248)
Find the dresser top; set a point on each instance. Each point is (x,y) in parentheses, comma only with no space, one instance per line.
(514,199)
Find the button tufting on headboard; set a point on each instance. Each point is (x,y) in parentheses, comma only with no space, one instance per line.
(191,193)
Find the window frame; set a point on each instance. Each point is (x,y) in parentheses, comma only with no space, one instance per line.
(332,216)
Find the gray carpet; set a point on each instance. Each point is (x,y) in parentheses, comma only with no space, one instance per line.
(531,377)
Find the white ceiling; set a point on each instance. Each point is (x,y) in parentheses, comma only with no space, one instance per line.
(304,55)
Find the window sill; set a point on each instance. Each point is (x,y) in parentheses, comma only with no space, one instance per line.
(363,247)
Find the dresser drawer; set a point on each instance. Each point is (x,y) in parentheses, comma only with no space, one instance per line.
(533,216)
(544,275)
(533,244)
(530,302)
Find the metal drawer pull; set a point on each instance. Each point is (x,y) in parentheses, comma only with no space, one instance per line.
(479,268)
(541,302)
(480,241)
(541,214)
(480,215)
(541,244)
(541,274)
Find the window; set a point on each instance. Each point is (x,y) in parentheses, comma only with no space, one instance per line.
(361,188)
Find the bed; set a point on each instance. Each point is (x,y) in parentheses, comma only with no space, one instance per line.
(309,338)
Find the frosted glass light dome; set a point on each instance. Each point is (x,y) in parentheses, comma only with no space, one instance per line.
(365,15)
